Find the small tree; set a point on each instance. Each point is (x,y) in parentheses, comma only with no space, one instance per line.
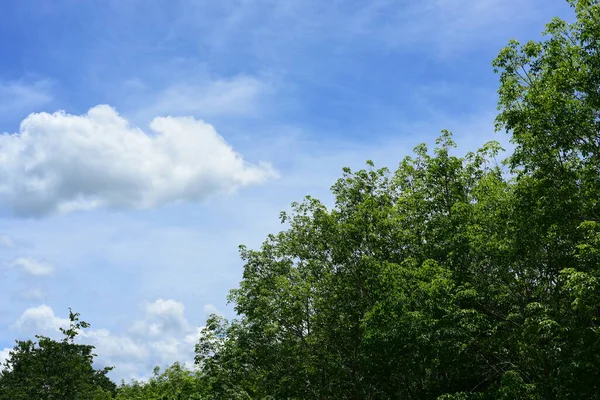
(50,369)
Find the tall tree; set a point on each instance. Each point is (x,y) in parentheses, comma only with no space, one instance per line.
(375,298)
(450,278)
(550,103)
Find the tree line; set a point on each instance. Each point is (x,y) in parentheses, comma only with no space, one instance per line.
(469,277)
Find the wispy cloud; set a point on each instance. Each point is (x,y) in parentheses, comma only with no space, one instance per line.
(33,267)
(31,294)
(451,27)
(444,25)
(240,96)
(7,242)
(21,96)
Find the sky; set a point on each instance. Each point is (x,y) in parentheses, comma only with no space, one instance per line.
(143,141)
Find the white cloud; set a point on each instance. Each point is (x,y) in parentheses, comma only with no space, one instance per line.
(4,354)
(211,309)
(168,316)
(437,27)
(193,337)
(59,163)
(40,320)
(170,349)
(33,267)
(161,338)
(451,26)
(32,294)
(239,96)
(111,346)
(7,241)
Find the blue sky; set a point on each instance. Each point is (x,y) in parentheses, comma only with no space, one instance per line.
(188,125)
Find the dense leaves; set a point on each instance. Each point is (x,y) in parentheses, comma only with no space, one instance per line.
(452,277)
(394,293)
(49,369)
(175,383)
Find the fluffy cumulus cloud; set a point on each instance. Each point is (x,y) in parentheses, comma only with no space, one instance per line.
(33,267)
(162,336)
(168,315)
(59,162)
(116,347)
(40,320)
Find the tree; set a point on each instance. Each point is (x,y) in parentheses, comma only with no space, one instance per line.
(451,278)
(550,103)
(175,383)
(373,299)
(49,369)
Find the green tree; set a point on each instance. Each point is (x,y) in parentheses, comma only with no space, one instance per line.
(550,103)
(451,278)
(49,369)
(174,383)
(376,298)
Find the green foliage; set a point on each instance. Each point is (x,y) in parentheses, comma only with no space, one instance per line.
(375,298)
(175,383)
(451,277)
(49,369)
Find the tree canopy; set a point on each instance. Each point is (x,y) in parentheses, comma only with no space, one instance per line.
(451,277)
(50,369)
(175,382)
